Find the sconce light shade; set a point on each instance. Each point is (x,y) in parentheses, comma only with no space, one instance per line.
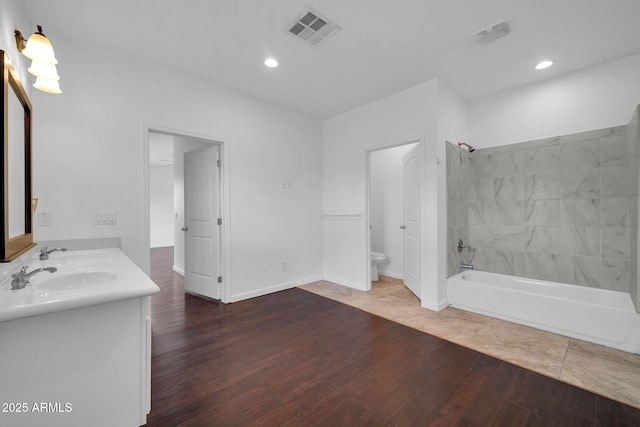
(47,71)
(47,85)
(39,49)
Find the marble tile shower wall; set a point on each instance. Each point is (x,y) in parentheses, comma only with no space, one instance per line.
(634,146)
(557,209)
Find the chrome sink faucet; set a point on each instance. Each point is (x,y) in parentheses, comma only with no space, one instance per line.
(21,278)
(44,252)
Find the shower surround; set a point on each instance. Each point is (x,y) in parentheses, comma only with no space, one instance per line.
(561,209)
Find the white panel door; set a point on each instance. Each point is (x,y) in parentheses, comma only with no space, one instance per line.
(411,169)
(201,213)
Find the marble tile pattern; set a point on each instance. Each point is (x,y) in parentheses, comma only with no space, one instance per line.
(610,373)
(631,209)
(558,209)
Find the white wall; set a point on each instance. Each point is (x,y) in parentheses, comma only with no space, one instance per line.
(386,208)
(88,147)
(401,117)
(430,111)
(452,125)
(412,113)
(594,98)
(161,206)
(14,16)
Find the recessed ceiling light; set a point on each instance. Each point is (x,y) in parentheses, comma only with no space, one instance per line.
(271,63)
(544,64)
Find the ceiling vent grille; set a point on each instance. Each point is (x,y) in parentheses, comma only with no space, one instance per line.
(312,28)
(492,32)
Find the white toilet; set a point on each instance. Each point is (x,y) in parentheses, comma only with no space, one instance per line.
(376,257)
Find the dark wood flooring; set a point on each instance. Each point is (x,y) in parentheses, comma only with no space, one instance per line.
(297,359)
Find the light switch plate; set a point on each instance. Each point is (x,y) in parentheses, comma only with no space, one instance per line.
(105,218)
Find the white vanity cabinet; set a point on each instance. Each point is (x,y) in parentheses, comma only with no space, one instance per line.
(83,364)
(84,367)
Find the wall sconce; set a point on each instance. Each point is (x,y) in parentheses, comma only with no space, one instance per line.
(38,48)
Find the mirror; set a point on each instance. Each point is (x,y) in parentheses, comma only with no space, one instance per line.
(17,236)
(16,167)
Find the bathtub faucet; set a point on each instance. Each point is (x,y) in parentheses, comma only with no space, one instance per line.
(469,266)
(21,278)
(44,252)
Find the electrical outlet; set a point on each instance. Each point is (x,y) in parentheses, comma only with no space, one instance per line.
(284,265)
(45,219)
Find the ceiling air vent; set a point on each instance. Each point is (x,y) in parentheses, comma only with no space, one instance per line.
(492,32)
(312,28)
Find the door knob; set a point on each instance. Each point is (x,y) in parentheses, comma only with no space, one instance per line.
(402,227)
(184,228)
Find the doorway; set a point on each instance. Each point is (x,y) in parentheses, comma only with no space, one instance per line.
(393,215)
(200,245)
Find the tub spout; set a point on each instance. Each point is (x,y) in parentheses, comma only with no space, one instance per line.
(469,266)
(21,278)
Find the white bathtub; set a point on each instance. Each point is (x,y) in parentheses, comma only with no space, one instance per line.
(596,315)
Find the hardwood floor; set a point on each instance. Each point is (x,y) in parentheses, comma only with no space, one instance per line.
(297,359)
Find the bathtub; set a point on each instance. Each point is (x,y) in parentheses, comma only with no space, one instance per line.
(596,315)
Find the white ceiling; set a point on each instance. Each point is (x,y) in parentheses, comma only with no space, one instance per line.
(384,46)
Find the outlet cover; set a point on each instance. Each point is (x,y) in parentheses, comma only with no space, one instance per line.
(45,219)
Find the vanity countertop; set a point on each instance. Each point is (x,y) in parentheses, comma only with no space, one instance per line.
(83,278)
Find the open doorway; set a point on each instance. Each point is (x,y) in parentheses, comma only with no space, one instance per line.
(187,204)
(394,203)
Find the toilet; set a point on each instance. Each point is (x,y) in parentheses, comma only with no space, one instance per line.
(376,257)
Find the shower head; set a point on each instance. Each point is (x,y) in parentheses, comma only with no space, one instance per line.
(469,147)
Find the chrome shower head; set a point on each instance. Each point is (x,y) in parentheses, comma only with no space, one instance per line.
(469,147)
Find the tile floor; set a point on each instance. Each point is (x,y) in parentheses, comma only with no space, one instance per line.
(610,373)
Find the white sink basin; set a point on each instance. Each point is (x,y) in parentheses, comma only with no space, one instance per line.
(84,278)
(73,281)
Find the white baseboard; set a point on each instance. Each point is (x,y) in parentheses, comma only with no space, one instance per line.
(178,270)
(441,305)
(272,289)
(390,274)
(337,281)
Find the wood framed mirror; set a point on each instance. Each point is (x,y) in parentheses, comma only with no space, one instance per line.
(17,233)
